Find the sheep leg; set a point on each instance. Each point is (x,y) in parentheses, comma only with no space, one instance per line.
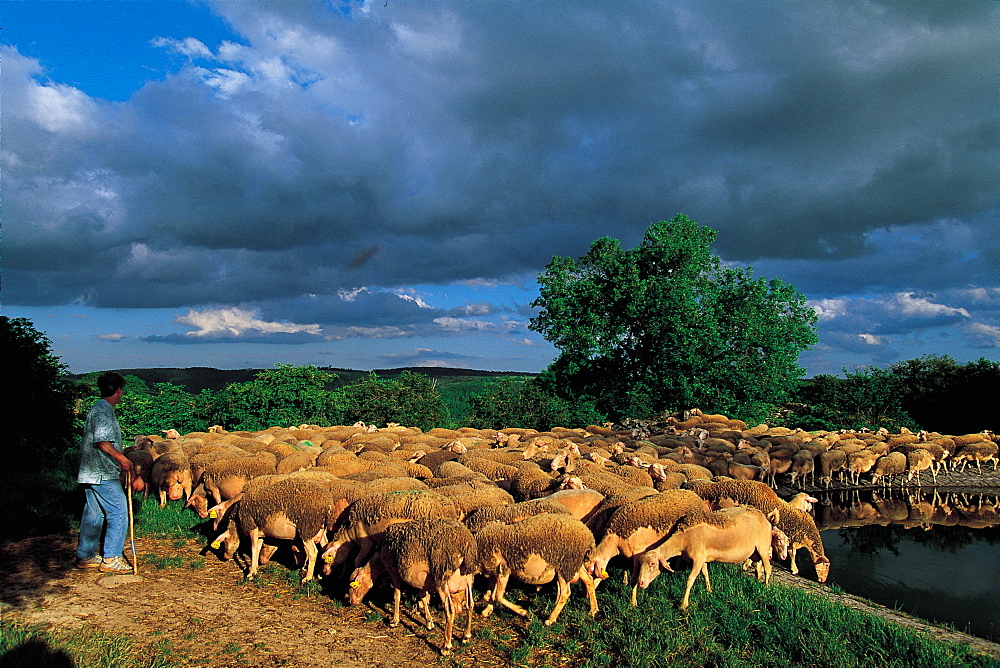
(696,569)
(256,543)
(708,582)
(468,604)
(424,606)
(490,596)
(501,589)
(449,617)
(591,586)
(633,577)
(562,595)
(792,550)
(311,548)
(396,592)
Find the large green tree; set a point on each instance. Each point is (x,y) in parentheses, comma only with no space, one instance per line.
(666,326)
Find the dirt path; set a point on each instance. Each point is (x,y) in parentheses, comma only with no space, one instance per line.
(200,613)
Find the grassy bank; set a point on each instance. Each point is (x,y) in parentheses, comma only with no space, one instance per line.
(85,647)
(742,623)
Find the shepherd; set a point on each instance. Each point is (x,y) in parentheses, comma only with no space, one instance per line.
(101,467)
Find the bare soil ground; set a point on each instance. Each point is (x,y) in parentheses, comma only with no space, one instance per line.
(200,612)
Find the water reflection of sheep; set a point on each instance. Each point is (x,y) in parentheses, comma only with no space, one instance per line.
(910,510)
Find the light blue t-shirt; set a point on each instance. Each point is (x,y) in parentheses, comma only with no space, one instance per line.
(102,425)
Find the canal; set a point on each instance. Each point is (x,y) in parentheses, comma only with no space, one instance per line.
(936,556)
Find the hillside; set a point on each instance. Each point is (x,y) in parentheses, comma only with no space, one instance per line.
(196,379)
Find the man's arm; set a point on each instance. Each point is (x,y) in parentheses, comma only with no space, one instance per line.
(108,448)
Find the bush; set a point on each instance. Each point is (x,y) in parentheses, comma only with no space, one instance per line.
(42,436)
(412,400)
(528,403)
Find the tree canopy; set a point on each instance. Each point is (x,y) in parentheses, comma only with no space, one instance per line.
(666,326)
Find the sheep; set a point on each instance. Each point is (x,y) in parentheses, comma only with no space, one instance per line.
(635,527)
(142,463)
(290,509)
(830,462)
(472,499)
(917,460)
(367,518)
(493,470)
(607,484)
(599,518)
(430,555)
(803,466)
(170,476)
(581,503)
(726,493)
(536,550)
(800,527)
(730,535)
(979,452)
(532,483)
(298,460)
(515,512)
(889,465)
(861,461)
(224,479)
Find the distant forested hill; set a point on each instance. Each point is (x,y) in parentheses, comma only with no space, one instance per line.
(196,379)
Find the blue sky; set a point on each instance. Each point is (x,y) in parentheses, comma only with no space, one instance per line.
(237,184)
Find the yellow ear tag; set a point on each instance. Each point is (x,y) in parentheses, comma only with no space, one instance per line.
(328,558)
(355,584)
(604,574)
(216,544)
(214,514)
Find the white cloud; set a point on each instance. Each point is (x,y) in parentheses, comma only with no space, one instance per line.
(872,340)
(61,109)
(350,295)
(189,46)
(828,309)
(921,307)
(237,322)
(111,337)
(983,335)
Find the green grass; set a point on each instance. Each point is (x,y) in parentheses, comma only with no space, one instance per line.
(23,646)
(741,624)
(172,521)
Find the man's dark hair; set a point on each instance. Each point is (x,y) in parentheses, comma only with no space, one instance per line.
(109,382)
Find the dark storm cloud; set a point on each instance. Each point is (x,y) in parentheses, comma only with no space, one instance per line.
(423,143)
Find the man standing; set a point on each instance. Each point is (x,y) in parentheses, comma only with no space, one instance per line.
(101,465)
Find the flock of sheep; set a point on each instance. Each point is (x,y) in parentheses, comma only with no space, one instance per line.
(431,510)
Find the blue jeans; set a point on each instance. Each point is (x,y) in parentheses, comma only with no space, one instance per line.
(105,504)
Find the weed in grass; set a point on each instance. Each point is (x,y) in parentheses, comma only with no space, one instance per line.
(196,564)
(519,655)
(373,616)
(309,589)
(230,648)
(161,563)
